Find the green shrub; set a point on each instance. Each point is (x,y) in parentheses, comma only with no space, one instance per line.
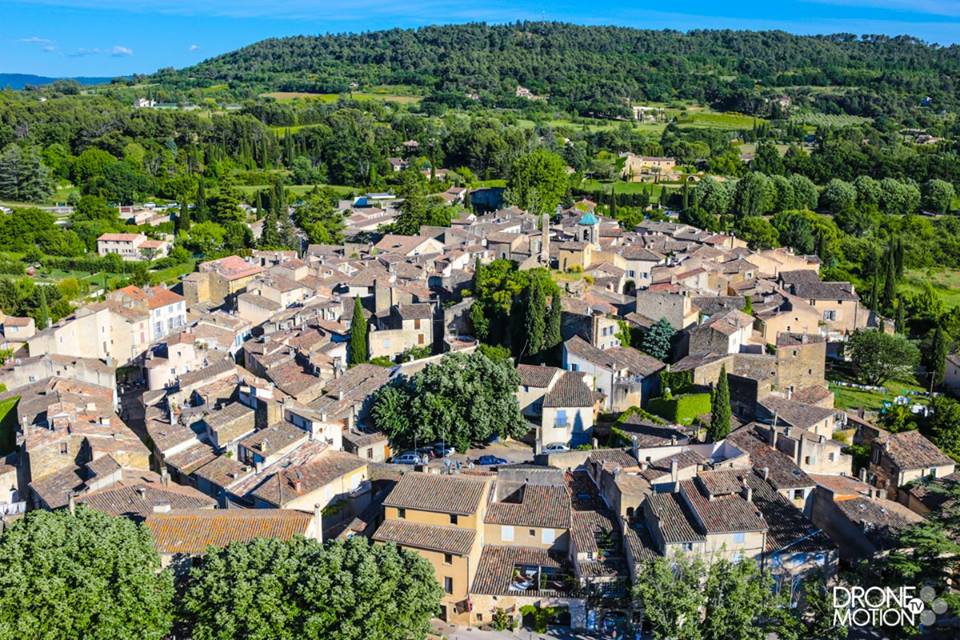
(681,409)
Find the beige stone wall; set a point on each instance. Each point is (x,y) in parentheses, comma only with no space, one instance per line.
(801,365)
(527,536)
(798,320)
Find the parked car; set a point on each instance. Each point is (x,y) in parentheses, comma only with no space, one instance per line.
(408,457)
(442,450)
(556,447)
(486,461)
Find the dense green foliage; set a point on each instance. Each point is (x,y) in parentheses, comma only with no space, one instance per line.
(879,357)
(358,334)
(351,590)
(681,409)
(656,341)
(430,406)
(87,575)
(592,69)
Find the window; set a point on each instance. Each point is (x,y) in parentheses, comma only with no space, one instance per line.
(370,453)
(420,338)
(416,323)
(63,449)
(739,538)
(401,513)
(798,494)
(506,533)
(454,518)
(448,558)
(479,617)
(574,367)
(548,536)
(829,315)
(448,585)
(561,420)
(532,532)
(687,546)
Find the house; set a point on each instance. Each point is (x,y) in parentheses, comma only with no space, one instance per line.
(638,263)
(896,459)
(676,307)
(16,331)
(837,302)
(143,494)
(217,281)
(951,377)
(330,478)
(728,332)
(441,518)
(167,310)
(406,327)
(568,412)
(625,376)
(535,382)
(132,246)
(180,535)
(409,246)
(637,168)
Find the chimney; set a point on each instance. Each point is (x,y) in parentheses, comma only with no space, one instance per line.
(297,486)
(747,492)
(800,450)
(162,507)
(596,445)
(766,473)
(72,503)
(142,492)
(773,437)
(635,447)
(863,474)
(165,477)
(318,516)
(674,471)
(789,393)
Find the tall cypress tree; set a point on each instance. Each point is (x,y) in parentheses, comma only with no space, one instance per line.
(43,311)
(720,409)
(938,356)
(553,336)
(358,334)
(202,215)
(535,318)
(613,201)
(890,280)
(183,219)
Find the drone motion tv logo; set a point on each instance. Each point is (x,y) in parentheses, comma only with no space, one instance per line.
(886,606)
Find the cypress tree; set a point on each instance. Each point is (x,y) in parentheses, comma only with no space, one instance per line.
(358,334)
(720,409)
(938,356)
(183,219)
(43,311)
(613,201)
(901,321)
(535,318)
(201,204)
(890,281)
(553,335)
(898,257)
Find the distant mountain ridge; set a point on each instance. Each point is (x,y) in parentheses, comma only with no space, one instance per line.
(20,80)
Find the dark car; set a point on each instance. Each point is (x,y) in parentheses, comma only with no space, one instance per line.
(441,450)
(486,461)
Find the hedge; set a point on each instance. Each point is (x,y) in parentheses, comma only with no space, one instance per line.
(681,409)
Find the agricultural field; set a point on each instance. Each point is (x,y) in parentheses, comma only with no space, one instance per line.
(946,282)
(329,98)
(850,398)
(300,189)
(815,120)
(714,120)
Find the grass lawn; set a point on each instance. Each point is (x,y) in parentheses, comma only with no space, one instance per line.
(847,398)
(946,282)
(596,186)
(713,120)
(171,275)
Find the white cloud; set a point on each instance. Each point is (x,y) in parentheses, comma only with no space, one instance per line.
(40,42)
(83,52)
(193,47)
(120,51)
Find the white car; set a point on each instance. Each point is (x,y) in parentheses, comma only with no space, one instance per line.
(410,457)
(556,447)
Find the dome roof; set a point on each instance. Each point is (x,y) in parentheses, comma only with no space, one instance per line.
(588,219)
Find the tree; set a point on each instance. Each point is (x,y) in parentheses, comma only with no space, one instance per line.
(434,406)
(23,176)
(943,425)
(767,159)
(805,194)
(838,196)
(817,614)
(358,334)
(553,336)
(755,194)
(82,575)
(739,602)
(656,341)
(938,195)
(534,319)
(668,595)
(537,181)
(720,408)
(317,216)
(937,361)
(714,196)
(301,588)
(878,357)
(42,314)
(757,232)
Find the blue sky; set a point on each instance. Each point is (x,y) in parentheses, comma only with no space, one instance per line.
(115,37)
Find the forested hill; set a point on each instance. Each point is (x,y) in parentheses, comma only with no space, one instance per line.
(599,67)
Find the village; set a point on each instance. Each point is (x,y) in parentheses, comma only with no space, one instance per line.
(234,405)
